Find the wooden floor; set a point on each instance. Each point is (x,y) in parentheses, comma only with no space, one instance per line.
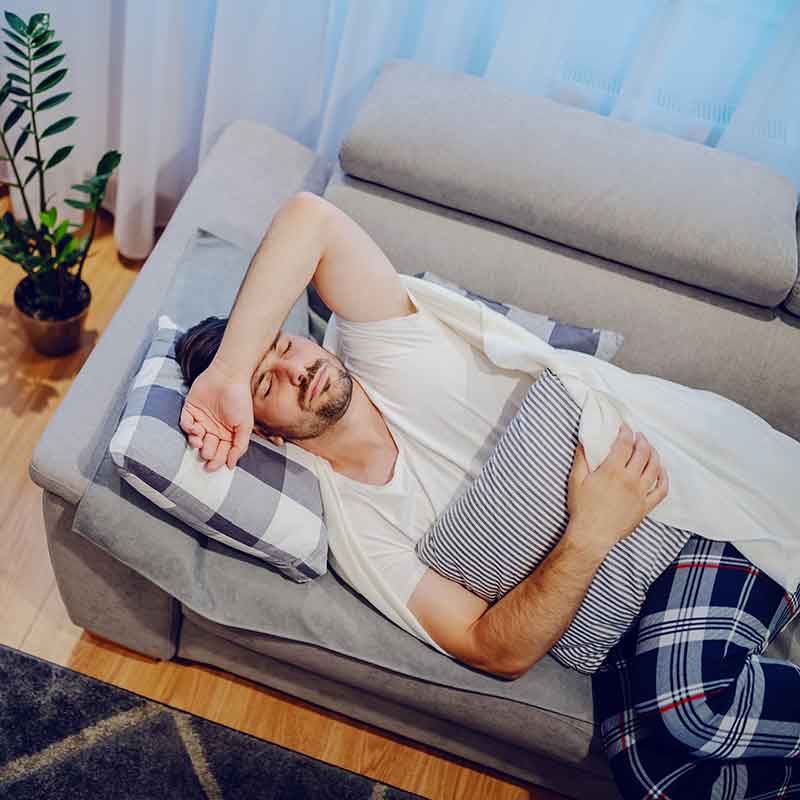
(33,618)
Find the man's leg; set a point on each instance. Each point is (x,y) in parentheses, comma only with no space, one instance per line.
(646,756)
(699,673)
(648,765)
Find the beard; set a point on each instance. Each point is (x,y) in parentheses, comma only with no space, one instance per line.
(336,401)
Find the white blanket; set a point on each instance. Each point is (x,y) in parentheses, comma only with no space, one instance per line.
(733,477)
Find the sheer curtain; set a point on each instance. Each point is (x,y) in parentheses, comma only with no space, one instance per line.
(160,79)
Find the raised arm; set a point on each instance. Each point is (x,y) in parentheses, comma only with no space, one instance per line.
(281,268)
(308,241)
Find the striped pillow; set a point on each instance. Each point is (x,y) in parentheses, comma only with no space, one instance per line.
(593,341)
(508,519)
(269,506)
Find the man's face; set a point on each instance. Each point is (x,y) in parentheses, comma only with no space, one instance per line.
(281,387)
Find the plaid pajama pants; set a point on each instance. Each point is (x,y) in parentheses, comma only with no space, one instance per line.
(687,705)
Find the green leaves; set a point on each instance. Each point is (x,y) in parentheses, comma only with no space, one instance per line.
(30,175)
(12,119)
(41,246)
(17,23)
(38,20)
(49,64)
(46,50)
(59,156)
(23,137)
(77,203)
(14,49)
(108,163)
(15,37)
(51,81)
(48,217)
(51,101)
(59,126)
(95,186)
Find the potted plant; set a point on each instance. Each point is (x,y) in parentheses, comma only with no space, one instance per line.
(52,300)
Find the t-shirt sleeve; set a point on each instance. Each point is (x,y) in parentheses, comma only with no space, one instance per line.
(415,572)
(370,349)
(402,570)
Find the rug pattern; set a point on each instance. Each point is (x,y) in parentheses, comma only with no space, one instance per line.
(64,734)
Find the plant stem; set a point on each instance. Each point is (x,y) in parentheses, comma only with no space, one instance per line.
(19,180)
(36,137)
(42,204)
(89,243)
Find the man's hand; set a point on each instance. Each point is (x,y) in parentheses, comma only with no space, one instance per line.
(217,416)
(628,485)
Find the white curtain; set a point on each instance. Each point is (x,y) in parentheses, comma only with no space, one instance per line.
(159,80)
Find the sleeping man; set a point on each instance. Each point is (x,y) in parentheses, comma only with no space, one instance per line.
(406,418)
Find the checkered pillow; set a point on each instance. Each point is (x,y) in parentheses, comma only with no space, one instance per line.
(594,341)
(269,506)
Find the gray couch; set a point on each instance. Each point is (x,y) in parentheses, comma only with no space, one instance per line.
(690,252)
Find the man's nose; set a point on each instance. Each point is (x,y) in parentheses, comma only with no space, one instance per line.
(298,372)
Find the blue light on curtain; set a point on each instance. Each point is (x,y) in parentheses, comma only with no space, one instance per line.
(723,73)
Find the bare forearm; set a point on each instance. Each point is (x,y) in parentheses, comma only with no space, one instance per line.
(279,272)
(521,627)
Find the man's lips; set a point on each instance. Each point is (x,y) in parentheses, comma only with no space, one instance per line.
(315,386)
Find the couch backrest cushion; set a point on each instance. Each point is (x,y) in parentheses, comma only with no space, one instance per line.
(674,331)
(792,301)
(605,186)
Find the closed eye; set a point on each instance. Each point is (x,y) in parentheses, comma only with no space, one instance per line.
(288,347)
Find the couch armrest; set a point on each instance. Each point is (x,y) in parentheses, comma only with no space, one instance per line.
(248,172)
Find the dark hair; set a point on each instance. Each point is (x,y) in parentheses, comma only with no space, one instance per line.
(195,349)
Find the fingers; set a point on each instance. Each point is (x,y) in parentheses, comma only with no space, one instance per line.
(640,456)
(652,469)
(621,449)
(187,420)
(210,444)
(233,456)
(219,457)
(191,427)
(580,468)
(241,439)
(660,490)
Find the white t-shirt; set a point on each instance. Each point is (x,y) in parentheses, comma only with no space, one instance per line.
(446,404)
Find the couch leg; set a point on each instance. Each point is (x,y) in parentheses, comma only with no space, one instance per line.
(105,596)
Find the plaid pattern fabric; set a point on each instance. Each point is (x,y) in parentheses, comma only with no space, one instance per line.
(269,506)
(687,705)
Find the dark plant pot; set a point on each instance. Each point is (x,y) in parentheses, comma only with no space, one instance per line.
(49,333)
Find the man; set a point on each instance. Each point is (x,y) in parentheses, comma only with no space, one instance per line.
(405,421)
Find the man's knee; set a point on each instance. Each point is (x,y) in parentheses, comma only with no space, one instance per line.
(693,725)
(683,714)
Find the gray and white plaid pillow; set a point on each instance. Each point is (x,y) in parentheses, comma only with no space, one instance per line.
(597,342)
(269,506)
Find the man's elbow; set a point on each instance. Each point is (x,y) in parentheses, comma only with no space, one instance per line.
(510,676)
(306,203)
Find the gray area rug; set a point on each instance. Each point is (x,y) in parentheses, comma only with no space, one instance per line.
(63,734)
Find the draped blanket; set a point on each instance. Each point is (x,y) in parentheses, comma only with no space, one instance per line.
(733,477)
